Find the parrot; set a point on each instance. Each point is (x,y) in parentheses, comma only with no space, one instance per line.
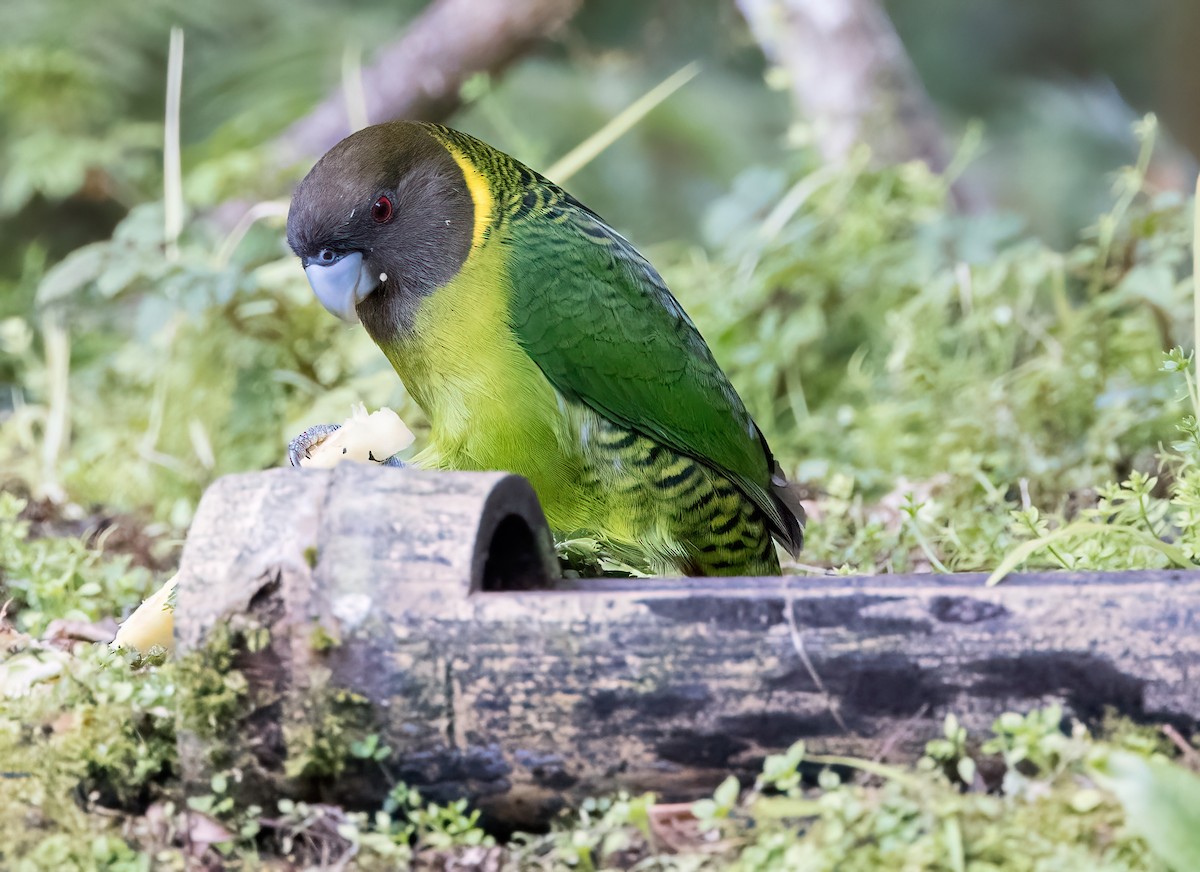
(539,341)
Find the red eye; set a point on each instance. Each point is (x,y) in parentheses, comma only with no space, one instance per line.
(382,210)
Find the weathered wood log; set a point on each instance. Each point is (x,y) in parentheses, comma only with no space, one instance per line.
(389,597)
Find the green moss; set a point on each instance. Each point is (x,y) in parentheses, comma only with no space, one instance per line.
(335,728)
(213,693)
(101,735)
(322,640)
(44,579)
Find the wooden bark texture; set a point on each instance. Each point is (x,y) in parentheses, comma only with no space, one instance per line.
(850,76)
(853,82)
(528,700)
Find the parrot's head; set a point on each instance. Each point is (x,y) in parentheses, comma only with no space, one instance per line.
(383,220)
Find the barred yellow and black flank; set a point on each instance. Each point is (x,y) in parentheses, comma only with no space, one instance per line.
(539,341)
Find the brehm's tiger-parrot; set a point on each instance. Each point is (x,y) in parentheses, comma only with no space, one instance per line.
(539,341)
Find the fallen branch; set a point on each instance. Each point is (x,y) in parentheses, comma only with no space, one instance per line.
(420,74)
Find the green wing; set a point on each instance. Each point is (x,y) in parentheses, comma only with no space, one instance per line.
(600,323)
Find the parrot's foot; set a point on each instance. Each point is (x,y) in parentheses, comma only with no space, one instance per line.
(302,447)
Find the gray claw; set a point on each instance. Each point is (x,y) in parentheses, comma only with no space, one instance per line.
(300,446)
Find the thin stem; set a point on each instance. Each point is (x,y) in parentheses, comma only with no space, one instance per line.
(583,154)
(925,545)
(352,87)
(1130,184)
(1145,514)
(1192,385)
(57,341)
(172,168)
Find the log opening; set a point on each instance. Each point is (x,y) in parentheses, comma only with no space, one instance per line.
(511,563)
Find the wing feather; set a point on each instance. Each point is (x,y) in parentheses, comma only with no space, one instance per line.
(599,321)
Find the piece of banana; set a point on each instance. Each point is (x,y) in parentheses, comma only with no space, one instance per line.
(151,624)
(362,438)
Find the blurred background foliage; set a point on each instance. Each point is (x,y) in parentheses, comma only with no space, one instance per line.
(945,386)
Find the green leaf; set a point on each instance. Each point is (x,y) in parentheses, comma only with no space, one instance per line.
(1161,802)
(704,809)
(79,268)
(966,770)
(785,807)
(1086,800)
(727,792)
(1027,549)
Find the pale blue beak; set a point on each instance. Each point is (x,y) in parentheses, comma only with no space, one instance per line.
(342,285)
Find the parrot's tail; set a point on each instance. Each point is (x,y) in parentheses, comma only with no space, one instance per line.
(786,496)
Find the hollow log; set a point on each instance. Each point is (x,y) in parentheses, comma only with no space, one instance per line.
(423,606)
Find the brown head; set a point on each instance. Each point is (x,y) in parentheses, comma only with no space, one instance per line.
(383,220)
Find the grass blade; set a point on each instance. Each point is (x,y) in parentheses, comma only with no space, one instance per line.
(172,167)
(1195,387)
(584,153)
(352,87)
(1027,549)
